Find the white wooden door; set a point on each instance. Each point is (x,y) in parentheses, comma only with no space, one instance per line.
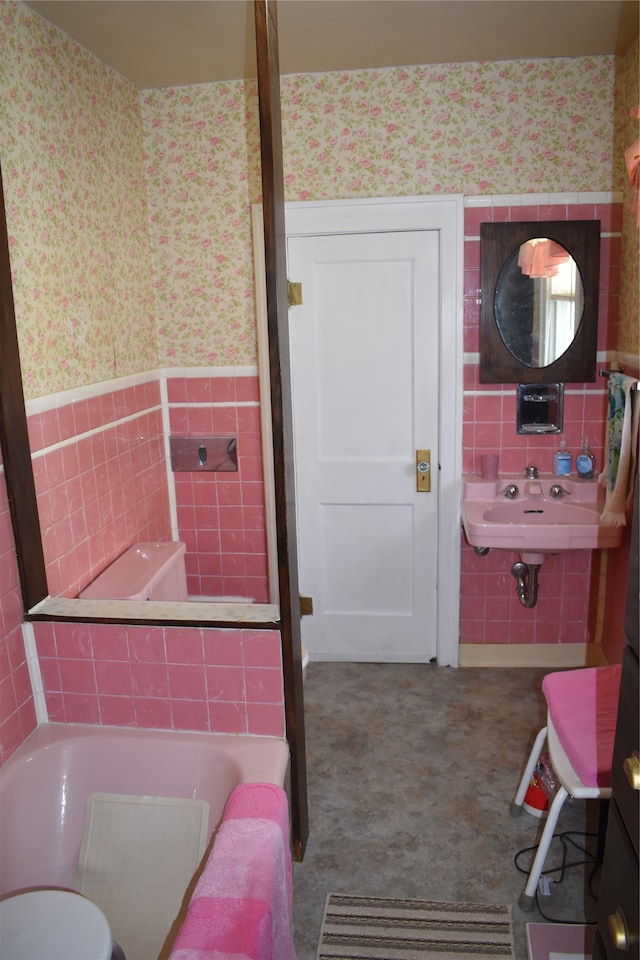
(365,378)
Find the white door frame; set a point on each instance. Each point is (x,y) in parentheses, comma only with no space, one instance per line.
(405,213)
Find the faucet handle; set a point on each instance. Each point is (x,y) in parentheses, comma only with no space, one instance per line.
(557,491)
(511,491)
(531,473)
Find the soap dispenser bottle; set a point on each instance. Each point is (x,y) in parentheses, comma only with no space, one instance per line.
(562,460)
(585,461)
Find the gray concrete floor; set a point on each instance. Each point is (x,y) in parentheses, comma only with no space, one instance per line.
(411,769)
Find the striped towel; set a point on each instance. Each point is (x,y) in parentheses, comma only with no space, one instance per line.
(242,903)
(620,448)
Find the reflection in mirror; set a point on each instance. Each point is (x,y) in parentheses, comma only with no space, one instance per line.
(539,306)
(539,301)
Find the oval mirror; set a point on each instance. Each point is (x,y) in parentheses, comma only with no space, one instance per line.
(539,301)
(520,342)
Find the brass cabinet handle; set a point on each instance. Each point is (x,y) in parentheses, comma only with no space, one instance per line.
(631,767)
(619,930)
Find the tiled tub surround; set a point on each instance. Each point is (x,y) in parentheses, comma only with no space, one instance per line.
(17,712)
(569,599)
(175,678)
(100,474)
(102,482)
(221,516)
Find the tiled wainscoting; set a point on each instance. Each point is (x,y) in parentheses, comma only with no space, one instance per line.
(101,481)
(177,678)
(17,713)
(221,516)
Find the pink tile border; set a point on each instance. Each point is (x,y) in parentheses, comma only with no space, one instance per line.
(221,681)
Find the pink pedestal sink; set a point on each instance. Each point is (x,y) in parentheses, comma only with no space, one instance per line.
(533,522)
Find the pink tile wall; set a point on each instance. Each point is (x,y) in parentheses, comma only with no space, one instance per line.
(17,713)
(180,678)
(490,610)
(100,481)
(221,516)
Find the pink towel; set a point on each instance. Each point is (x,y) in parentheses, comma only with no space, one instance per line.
(241,907)
(583,705)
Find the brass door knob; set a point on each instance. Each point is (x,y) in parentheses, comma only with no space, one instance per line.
(619,930)
(631,767)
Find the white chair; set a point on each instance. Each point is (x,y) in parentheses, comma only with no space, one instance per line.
(582,707)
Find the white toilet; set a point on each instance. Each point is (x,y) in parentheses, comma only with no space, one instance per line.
(53,925)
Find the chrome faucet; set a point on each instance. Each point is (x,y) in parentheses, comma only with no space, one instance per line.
(531,473)
(511,491)
(557,492)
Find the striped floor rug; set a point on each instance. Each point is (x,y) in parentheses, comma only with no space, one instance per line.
(374,928)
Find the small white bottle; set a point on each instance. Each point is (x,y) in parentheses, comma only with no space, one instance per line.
(585,461)
(562,460)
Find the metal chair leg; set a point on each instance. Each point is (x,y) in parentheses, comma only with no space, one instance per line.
(516,804)
(528,895)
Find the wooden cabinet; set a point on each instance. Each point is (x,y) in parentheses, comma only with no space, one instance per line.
(618,931)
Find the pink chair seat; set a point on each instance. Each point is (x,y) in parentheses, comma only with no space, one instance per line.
(583,706)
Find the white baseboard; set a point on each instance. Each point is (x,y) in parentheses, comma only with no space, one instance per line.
(555,656)
(546,656)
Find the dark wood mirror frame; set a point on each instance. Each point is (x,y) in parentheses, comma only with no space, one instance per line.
(581,238)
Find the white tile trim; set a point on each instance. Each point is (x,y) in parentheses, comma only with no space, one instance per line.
(69,441)
(35,676)
(213,403)
(208,373)
(542,199)
(171,487)
(53,400)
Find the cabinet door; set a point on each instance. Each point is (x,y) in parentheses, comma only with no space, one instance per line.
(619,891)
(632,611)
(626,750)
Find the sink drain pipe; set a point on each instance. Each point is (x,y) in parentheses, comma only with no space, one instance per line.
(527,576)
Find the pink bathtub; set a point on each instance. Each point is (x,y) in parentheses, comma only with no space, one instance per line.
(44,786)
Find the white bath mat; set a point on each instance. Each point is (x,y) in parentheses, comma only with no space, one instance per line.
(137,858)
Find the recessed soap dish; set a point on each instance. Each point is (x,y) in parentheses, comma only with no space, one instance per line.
(539,407)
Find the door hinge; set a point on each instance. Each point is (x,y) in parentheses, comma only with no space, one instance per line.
(294,294)
(306,606)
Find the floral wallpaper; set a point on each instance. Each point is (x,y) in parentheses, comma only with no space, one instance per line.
(129,212)
(472,128)
(202,154)
(75,194)
(509,127)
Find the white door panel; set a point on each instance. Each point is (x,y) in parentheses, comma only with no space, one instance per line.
(364,355)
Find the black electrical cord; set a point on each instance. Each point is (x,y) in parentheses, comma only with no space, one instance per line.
(566,840)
